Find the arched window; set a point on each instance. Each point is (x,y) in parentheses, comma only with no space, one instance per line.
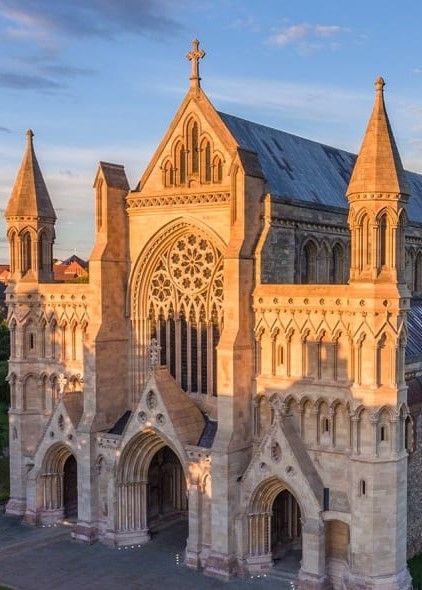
(309,263)
(365,243)
(168,174)
(338,264)
(184,310)
(26,252)
(207,162)
(180,159)
(324,264)
(383,241)
(194,148)
(218,169)
(13,252)
(182,165)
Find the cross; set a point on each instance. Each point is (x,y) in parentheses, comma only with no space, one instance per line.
(194,56)
(62,382)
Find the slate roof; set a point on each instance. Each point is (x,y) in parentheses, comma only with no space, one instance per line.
(120,425)
(304,170)
(208,434)
(414,332)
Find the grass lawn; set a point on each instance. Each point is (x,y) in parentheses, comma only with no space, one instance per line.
(415,567)
(4,461)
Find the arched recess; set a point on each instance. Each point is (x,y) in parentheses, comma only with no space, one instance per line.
(176,297)
(59,488)
(338,264)
(337,550)
(13,243)
(274,521)
(26,251)
(309,263)
(140,483)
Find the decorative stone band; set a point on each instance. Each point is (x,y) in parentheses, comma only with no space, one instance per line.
(141,202)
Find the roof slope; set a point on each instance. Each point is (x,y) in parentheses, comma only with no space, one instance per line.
(305,170)
(30,196)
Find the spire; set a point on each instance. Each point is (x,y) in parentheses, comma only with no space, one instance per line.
(194,56)
(30,196)
(378,168)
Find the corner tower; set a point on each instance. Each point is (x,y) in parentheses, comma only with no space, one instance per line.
(377,195)
(30,218)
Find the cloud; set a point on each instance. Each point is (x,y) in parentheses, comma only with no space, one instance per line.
(65,71)
(27,82)
(44,20)
(5,130)
(304,35)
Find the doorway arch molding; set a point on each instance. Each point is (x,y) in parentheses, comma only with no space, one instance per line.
(131,518)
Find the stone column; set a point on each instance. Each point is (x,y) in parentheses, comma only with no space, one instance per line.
(312,574)
(194,542)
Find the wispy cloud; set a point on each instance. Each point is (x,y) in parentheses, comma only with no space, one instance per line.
(44,20)
(306,36)
(5,129)
(27,82)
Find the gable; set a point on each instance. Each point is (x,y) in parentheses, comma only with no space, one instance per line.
(196,151)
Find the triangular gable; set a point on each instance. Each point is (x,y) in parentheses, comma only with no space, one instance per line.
(197,101)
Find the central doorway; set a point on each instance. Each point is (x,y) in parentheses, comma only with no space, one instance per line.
(70,488)
(167,497)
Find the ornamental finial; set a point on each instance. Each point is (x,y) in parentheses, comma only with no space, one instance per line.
(194,56)
(379,84)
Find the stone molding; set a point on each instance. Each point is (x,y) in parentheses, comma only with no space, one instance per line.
(142,202)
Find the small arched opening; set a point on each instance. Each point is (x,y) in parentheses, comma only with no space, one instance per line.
(275,533)
(59,483)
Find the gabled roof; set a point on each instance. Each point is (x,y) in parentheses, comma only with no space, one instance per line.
(307,171)
(30,196)
(114,174)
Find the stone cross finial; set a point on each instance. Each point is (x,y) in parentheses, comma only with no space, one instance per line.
(194,56)
(154,355)
(62,382)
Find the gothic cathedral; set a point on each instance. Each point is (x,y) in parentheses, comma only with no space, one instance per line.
(247,354)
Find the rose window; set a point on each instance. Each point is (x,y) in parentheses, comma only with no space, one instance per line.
(191,263)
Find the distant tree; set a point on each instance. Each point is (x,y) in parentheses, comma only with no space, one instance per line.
(4,341)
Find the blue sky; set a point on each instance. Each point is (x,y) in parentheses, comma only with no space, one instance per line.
(101,80)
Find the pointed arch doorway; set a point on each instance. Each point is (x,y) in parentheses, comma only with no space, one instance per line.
(274,527)
(151,490)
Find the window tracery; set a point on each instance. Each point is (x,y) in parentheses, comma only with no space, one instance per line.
(185,308)
(193,157)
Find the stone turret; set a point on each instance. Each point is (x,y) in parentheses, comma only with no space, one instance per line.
(30,218)
(377,195)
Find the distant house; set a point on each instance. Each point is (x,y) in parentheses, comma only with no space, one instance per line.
(70,269)
(4,273)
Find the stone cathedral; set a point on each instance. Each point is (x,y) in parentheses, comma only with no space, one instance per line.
(247,354)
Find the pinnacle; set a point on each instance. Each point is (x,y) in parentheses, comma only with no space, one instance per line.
(378,168)
(30,196)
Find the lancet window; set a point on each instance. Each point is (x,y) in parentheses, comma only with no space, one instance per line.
(193,157)
(185,314)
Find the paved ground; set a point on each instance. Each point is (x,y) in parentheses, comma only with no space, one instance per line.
(46,558)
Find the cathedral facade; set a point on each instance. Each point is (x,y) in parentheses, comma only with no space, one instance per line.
(246,353)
